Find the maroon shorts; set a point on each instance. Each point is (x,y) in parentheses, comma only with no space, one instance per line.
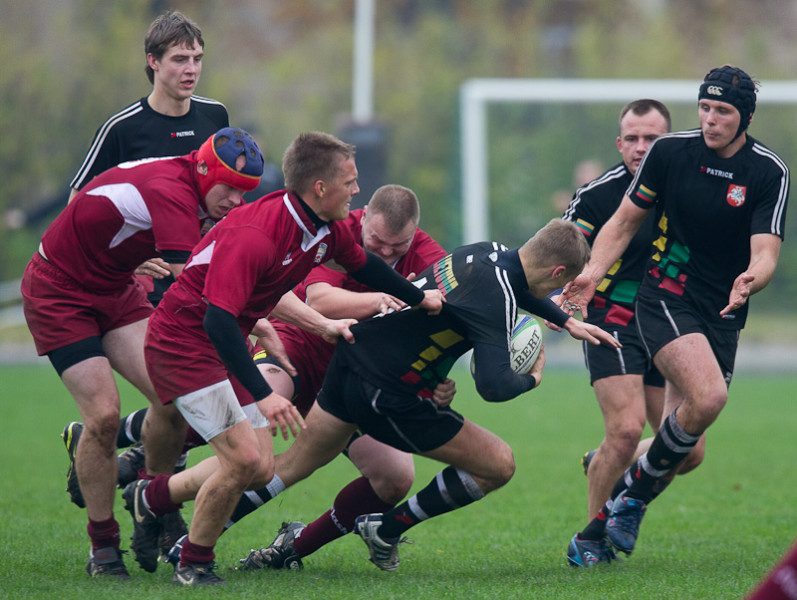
(60,311)
(310,355)
(181,360)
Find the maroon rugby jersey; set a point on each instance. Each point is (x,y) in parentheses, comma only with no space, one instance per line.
(309,353)
(125,216)
(247,262)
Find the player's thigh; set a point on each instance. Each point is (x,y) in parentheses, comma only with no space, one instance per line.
(277,377)
(622,402)
(124,348)
(92,385)
(688,363)
(375,459)
(478,451)
(324,437)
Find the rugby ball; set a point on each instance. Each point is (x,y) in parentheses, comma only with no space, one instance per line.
(525,345)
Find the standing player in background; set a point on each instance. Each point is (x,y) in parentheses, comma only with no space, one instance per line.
(720,197)
(387,227)
(628,388)
(196,347)
(170,121)
(89,316)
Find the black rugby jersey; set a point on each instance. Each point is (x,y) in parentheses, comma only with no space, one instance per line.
(411,351)
(707,209)
(592,205)
(137,132)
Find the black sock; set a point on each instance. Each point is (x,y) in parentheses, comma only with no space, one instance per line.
(252,500)
(129,432)
(670,446)
(450,489)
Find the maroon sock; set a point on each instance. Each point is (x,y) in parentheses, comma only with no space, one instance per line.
(357,498)
(103,533)
(142,474)
(157,496)
(194,553)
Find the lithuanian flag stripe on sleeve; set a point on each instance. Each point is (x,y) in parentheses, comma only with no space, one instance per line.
(586,228)
(645,194)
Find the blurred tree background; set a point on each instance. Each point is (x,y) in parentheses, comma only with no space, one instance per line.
(285,66)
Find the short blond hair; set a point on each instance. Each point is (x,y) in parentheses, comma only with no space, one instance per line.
(560,242)
(311,156)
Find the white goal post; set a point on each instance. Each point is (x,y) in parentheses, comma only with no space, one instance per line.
(476,94)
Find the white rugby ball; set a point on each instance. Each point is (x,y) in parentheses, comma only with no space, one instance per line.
(525,345)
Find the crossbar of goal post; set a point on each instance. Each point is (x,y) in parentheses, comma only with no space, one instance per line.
(476,94)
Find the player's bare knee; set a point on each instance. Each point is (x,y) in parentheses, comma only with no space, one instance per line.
(503,467)
(622,445)
(103,428)
(710,405)
(393,487)
(263,475)
(245,468)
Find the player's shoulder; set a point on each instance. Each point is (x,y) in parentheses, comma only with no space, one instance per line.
(616,177)
(211,108)
(127,117)
(677,141)
(766,156)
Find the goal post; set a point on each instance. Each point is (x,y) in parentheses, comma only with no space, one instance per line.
(477,94)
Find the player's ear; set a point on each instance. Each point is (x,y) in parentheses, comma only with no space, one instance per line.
(202,167)
(319,188)
(558,272)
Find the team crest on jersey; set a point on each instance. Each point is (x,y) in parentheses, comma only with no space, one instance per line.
(736,195)
(319,254)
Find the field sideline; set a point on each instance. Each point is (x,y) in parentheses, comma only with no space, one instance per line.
(712,535)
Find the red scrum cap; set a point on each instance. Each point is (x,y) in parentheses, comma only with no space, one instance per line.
(221,151)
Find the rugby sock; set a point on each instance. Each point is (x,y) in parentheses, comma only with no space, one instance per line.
(450,489)
(253,499)
(103,533)
(130,429)
(157,498)
(670,446)
(596,528)
(194,553)
(357,498)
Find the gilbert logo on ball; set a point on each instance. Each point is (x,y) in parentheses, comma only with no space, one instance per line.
(525,345)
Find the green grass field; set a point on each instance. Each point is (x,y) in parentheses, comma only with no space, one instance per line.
(712,535)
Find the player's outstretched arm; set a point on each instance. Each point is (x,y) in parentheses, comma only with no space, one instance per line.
(764,252)
(591,333)
(337,303)
(292,310)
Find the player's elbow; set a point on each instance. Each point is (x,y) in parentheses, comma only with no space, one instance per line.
(492,392)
